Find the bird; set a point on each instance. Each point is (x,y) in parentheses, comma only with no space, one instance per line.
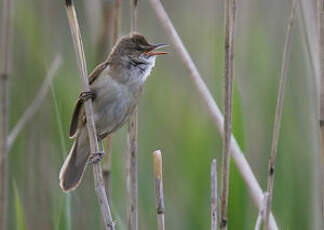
(116,86)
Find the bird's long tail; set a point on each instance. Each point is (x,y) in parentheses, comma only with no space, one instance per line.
(76,162)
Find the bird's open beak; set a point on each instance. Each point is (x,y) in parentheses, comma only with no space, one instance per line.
(152,51)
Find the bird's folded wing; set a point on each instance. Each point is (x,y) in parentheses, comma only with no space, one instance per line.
(97,71)
(78,113)
(76,118)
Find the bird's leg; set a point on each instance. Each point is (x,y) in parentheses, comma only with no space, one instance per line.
(97,156)
(86,95)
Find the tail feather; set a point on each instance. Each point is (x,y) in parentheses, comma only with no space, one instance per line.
(75,164)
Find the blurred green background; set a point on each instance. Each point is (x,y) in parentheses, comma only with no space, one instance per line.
(172,116)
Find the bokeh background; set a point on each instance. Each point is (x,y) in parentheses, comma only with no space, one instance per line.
(172,116)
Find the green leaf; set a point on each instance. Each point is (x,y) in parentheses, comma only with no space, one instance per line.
(20,218)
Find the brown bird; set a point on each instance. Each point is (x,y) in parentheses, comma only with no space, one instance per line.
(115,88)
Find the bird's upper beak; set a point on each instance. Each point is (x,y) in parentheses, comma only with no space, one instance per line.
(151,51)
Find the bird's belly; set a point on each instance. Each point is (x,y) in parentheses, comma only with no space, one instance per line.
(112,111)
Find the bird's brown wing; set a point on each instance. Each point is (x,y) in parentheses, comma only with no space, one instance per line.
(78,113)
(97,71)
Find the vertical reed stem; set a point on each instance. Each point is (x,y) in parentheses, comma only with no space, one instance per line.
(116,21)
(133,5)
(321,63)
(104,41)
(158,179)
(132,217)
(278,113)
(321,56)
(97,171)
(228,91)
(213,201)
(6,29)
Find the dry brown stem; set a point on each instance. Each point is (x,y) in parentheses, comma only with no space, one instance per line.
(321,56)
(133,5)
(132,214)
(97,171)
(228,92)
(278,113)
(116,21)
(158,179)
(5,43)
(132,218)
(320,6)
(213,201)
(104,40)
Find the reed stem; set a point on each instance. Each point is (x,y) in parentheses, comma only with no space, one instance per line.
(278,114)
(159,198)
(214,197)
(5,43)
(97,170)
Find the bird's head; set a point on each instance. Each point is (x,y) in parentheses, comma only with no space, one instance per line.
(135,50)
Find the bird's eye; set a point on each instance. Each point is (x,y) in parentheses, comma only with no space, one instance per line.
(142,47)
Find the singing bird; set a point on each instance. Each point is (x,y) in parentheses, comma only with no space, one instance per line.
(115,88)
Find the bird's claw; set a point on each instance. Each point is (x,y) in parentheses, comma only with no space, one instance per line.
(86,95)
(95,157)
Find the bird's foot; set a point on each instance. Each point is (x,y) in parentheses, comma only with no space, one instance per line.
(95,157)
(86,95)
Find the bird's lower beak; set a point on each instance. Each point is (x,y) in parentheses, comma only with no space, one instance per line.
(152,52)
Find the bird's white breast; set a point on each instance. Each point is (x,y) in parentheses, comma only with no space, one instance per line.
(148,70)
